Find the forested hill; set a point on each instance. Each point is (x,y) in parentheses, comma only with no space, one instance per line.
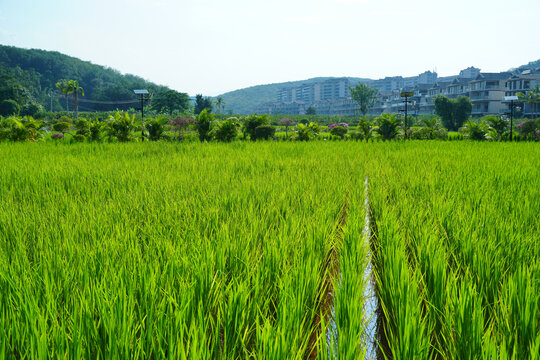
(30,75)
(244,101)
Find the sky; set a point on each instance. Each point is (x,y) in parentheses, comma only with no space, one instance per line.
(214,46)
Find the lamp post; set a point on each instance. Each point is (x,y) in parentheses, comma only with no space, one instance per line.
(141,94)
(512,106)
(406,95)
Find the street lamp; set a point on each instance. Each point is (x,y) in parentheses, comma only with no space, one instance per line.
(141,94)
(406,95)
(512,106)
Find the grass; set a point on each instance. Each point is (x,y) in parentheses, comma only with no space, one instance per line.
(256,250)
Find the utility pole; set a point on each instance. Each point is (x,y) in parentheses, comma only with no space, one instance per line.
(406,95)
(141,94)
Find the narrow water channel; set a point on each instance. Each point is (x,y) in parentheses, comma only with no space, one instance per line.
(371,302)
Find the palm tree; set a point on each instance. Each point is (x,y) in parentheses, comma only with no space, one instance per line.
(65,89)
(219,103)
(75,89)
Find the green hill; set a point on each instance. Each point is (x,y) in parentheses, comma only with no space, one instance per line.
(244,101)
(29,76)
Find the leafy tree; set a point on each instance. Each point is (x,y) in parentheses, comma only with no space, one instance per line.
(311,110)
(253,121)
(170,101)
(453,112)
(204,125)
(462,110)
(364,96)
(61,126)
(388,126)
(202,103)
(286,122)
(9,107)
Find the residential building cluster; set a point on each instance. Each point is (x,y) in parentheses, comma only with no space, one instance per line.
(486,91)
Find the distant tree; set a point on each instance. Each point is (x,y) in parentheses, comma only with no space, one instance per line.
(453,113)
(364,96)
(311,110)
(75,89)
(65,89)
(220,104)
(286,122)
(462,111)
(202,103)
(170,101)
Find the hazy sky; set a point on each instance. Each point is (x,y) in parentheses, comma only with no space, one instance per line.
(214,46)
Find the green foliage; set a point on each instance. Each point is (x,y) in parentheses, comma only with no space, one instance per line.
(9,107)
(155,128)
(388,126)
(170,101)
(95,130)
(497,126)
(365,128)
(340,131)
(453,112)
(307,132)
(311,110)
(474,130)
(31,109)
(120,126)
(83,127)
(61,126)
(15,128)
(33,74)
(202,103)
(204,125)
(226,130)
(264,132)
(364,96)
(251,122)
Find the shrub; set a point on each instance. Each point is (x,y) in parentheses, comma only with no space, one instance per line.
(31,109)
(9,107)
(57,136)
(155,129)
(95,130)
(79,137)
(120,126)
(474,131)
(528,128)
(365,128)
(204,125)
(61,126)
(227,130)
(180,125)
(264,132)
(306,132)
(388,126)
(83,127)
(339,130)
(252,122)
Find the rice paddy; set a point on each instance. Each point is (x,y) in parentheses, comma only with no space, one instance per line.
(259,250)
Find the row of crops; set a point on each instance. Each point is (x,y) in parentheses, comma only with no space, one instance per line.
(258,250)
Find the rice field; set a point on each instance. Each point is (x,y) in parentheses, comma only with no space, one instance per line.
(259,250)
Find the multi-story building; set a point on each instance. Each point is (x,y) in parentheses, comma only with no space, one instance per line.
(524,82)
(486,92)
